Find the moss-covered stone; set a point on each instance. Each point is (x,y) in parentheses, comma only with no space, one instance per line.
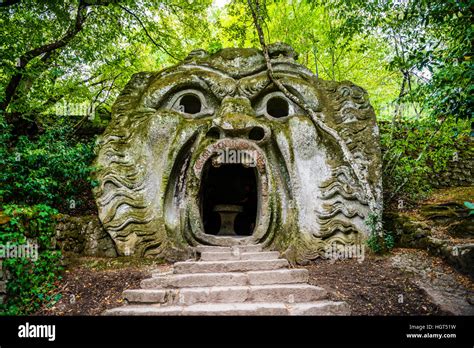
(84,236)
(153,154)
(441,225)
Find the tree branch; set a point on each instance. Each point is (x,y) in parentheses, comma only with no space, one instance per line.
(112,84)
(53,99)
(96,97)
(72,31)
(161,47)
(315,119)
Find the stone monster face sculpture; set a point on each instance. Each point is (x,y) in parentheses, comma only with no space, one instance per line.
(210,152)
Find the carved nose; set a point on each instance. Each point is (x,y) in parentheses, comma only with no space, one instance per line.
(257,133)
(214,133)
(237,119)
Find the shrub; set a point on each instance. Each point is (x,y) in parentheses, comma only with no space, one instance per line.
(52,169)
(379,242)
(415,151)
(32,281)
(39,176)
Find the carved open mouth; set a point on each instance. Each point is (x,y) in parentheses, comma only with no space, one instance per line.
(232,201)
(228,199)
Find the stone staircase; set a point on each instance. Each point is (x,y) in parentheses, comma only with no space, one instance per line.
(238,280)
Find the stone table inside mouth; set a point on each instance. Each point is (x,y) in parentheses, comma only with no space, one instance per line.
(228,213)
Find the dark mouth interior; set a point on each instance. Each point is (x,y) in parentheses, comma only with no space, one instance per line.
(229,200)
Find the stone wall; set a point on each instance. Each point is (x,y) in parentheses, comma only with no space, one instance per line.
(445,230)
(84,235)
(459,171)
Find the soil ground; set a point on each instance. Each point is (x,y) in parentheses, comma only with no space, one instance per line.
(92,285)
(406,282)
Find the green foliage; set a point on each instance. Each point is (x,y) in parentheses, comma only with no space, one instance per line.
(416,52)
(470,206)
(32,281)
(326,37)
(416,150)
(431,44)
(37,174)
(379,242)
(214,47)
(52,169)
(99,60)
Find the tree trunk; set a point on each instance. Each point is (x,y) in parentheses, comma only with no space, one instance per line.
(17,78)
(398,108)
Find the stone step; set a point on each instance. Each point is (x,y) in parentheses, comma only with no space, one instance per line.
(228,266)
(251,309)
(280,276)
(289,293)
(236,248)
(286,293)
(320,308)
(194,280)
(147,295)
(283,276)
(228,256)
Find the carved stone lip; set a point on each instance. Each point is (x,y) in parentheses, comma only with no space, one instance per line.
(230,144)
(263,209)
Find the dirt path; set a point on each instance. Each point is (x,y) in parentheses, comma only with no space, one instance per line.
(373,287)
(452,291)
(92,285)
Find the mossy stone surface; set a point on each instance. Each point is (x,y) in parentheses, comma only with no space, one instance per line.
(152,155)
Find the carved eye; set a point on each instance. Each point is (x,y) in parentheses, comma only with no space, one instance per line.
(275,105)
(190,102)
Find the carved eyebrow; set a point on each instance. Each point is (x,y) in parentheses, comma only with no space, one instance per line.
(220,89)
(254,86)
(162,88)
(216,81)
(209,81)
(204,69)
(251,86)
